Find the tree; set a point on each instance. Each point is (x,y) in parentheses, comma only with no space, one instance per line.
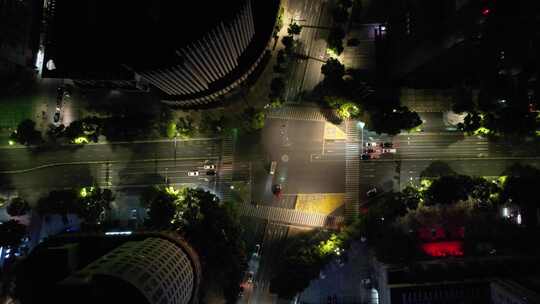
(26,133)
(333,70)
(392,121)
(185,127)
(161,205)
(288,42)
(294,29)
(252,119)
(462,101)
(447,190)
(345,3)
(410,197)
(60,202)
(300,263)
(18,207)
(340,14)
(471,122)
(213,228)
(277,87)
(335,40)
(94,203)
(437,169)
(11,233)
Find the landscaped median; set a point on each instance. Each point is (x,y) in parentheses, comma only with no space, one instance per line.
(323,203)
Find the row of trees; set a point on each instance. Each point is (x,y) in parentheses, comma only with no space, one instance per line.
(389,222)
(353,98)
(211,227)
(340,15)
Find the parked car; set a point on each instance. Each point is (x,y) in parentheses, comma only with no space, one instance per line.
(56,117)
(387,145)
(193,173)
(211,172)
(365,156)
(209,166)
(389,150)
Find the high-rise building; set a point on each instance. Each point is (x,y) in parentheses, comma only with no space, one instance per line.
(191,53)
(89,268)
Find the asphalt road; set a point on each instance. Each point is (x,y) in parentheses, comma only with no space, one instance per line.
(13,159)
(306,73)
(116,166)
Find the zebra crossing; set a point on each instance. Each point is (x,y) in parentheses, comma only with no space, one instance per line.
(225,174)
(301,113)
(104,177)
(352,168)
(291,216)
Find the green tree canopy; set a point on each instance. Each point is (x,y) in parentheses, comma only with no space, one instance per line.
(335,40)
(26,133)
(333,70)
(294,29)
(185,127)
(447,190)
(11,233)
(18,207)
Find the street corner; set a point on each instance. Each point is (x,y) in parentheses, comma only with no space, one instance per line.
(322,203)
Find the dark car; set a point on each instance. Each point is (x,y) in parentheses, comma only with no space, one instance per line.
(365,156)
(56,117)
(211,172)
(276,189)
(387,145)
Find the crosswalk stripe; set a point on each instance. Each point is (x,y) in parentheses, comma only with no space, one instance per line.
(290,216)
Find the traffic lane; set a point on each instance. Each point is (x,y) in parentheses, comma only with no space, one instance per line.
(23,158)
(160,172)
(66,176)
(476,167)
(272,248)
(471,145)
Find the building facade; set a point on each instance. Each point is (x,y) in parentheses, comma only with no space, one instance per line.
(187,63)
(143,268)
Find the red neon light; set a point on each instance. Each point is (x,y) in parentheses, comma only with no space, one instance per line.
(442,249)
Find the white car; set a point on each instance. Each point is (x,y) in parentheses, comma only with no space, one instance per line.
(371,144)
(193,173)
(389,150)
(209,167)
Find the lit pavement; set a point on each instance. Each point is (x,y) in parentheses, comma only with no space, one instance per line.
(116,166)
(306,73)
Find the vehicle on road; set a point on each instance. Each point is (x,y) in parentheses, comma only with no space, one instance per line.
(193,173)
(258,249)
(56,117)
(211,172)
(388,150)
(273,166)
(365,156)
(372,192)
(209,166)
(371,144)
(250,277)
(387,145)
(276,189)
